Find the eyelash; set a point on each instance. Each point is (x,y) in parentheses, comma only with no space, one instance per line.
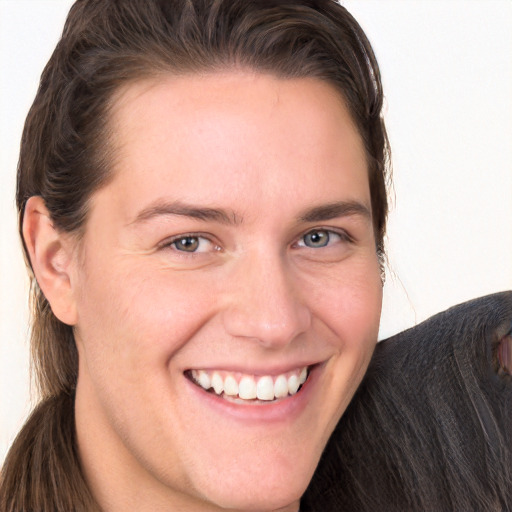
(343,237)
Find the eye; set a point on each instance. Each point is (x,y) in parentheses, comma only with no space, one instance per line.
(316,239)
(187,244)
(319,238)
(191,244)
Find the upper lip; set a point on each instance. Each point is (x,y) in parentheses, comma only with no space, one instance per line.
(269,369)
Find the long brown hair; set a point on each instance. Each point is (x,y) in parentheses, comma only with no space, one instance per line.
(66,156)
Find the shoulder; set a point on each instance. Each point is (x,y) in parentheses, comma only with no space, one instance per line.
(430,426)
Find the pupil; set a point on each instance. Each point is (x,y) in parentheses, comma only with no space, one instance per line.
(317,239)
(189,243)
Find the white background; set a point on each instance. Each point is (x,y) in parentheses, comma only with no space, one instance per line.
(447,72)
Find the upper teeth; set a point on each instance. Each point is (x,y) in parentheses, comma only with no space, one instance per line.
(250,387)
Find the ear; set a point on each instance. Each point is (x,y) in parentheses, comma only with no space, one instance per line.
(50,252)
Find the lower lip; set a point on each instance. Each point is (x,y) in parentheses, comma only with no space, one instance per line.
(286,409)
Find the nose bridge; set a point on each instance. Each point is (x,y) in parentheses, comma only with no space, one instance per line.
(263,303)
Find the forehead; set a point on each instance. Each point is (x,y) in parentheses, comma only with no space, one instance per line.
(220,135)
(222,89)
(213,101)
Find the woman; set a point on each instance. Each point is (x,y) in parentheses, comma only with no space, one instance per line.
(202,201)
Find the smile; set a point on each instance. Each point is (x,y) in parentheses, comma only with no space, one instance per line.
(241,387)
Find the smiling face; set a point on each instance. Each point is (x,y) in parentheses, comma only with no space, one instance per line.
(227,291)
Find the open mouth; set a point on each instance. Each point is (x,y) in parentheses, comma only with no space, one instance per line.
(244,388)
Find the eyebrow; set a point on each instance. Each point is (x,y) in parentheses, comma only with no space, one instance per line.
(163,208)
(317,214)
(335,210)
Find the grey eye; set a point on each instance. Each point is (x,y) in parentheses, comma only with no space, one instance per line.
(187,244)
(316,239)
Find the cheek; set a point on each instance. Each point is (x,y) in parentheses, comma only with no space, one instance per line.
(133,319)
(348,307)
(348,300)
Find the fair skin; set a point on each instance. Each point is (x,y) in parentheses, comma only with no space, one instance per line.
(235,239)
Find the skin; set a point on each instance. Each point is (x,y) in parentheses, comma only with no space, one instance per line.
(255,298)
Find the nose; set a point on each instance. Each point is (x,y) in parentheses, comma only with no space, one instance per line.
(264,304)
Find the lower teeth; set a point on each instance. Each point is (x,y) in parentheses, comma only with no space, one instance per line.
(255,401)
(238,400)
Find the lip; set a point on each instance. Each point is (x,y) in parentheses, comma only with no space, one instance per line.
(272,371)
(283,410)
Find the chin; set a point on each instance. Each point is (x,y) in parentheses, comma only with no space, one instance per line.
(262,489)
(261,498)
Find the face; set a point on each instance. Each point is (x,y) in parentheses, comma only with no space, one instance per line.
(228,293)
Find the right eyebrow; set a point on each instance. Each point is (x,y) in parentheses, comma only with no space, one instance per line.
(165,208)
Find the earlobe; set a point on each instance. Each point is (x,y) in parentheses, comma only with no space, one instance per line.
(50,255)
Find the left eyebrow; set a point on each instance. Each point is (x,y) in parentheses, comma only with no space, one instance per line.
(335,210)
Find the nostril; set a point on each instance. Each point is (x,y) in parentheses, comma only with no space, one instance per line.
(505,354)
